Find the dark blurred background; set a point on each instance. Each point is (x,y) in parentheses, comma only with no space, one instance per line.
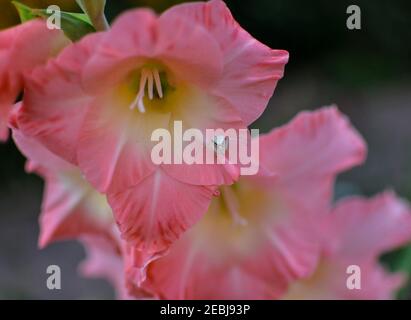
(366,72)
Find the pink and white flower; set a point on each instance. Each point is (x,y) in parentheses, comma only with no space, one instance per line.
(356,233)
(261,233)
(98,102)
(71,207)
(18,55)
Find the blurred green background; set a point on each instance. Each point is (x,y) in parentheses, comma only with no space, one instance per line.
(366,72)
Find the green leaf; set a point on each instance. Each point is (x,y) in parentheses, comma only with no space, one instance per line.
(399,260)
(81,16)
(74,25)
(24,11)
(95,11)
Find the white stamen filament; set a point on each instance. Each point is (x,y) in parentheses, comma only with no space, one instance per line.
(150,87)
(158,84)
(151,78)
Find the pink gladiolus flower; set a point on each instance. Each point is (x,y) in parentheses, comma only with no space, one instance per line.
(71,208)
(97,104)
(190,231)
(261,233)
(356,233)
(18,55)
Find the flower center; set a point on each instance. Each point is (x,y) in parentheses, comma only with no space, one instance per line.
(149,78)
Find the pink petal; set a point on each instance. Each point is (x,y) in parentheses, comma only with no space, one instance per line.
(71,208)
(376,284)
(18,55)
(40,159)
(4,113)
(189,274)
(66,214)
(203,114)
(356,233)
(330,283)
(154,213)
(252,261)
(185,273)
(105,260)
(54,101)
(250,69)
(281,242)
(186,49)
(364,228)
(310,151)
(204,174)
(114,150)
